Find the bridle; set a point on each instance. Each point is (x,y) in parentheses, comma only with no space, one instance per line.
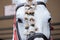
(38,3)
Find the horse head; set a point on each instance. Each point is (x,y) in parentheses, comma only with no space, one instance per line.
(33,20)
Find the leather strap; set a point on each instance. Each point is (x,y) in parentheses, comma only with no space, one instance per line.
(38,3)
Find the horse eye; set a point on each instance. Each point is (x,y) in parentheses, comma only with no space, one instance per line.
(19,20)
(49,19)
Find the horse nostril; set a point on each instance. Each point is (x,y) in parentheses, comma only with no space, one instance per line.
(19,20)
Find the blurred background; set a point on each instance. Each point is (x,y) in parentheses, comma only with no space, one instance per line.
(6,18)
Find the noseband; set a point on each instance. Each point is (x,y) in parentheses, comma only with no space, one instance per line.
(37,35)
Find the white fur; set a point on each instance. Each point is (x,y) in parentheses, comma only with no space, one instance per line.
(41,16)
(23,1)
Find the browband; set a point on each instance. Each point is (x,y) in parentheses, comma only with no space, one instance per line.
(38,3)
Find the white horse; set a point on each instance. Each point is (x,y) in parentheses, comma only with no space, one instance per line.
(42,20)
